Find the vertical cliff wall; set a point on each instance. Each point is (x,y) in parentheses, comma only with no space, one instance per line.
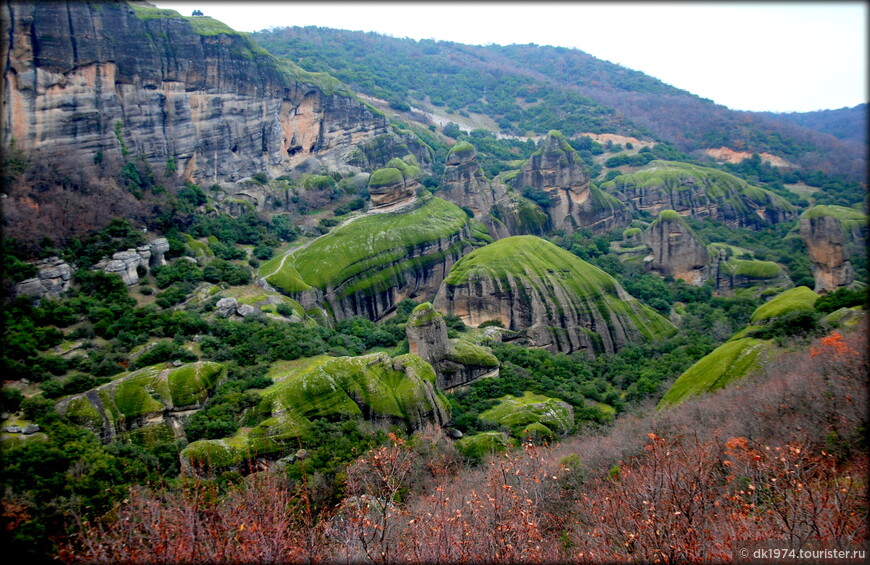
(83,81)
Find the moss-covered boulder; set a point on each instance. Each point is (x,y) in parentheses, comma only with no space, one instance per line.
(557,170)
(796,299)
(553,297)
(478,446)
(699,192)
(733,267)
(532,415)
(367,266)
(145,404)
(519,216)
(833,235)
(399,391)
(730,361)
(396,184)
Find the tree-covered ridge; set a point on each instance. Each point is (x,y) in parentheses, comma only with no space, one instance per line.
(532,89)
(445,74)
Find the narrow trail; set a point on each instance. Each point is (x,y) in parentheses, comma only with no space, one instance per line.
(292,250)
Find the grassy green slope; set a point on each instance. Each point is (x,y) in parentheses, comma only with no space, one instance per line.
(539,262)
(399,390)
(372,248)
(798,298)
(719,186)
(728,362)
(738,356)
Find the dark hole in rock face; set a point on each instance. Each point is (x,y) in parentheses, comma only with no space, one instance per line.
(294,150)
(235,148)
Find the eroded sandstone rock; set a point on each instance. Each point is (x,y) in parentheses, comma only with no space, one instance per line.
(831,235)
(674,249)
(558,170)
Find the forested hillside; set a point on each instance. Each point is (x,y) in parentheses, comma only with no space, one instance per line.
(845,123)
(532,88)
(312,295)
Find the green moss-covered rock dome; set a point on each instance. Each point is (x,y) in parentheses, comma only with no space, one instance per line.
(555,298)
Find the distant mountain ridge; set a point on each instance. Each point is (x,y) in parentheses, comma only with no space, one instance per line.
(531,89)
(843,123)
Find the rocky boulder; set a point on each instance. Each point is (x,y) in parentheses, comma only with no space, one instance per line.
(148,404)
(395,185)
(397,391)
(126,264)
(456,362)
(675,251)
(465,184)
(53,279)
(832,234)
(552,297)
(733,267)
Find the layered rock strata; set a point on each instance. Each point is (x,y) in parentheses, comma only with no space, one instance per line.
(88,80)
(456,362)
(126,263)
(555,299)
(675,251)
(394,185)
(559,171)
(831,235)
(699,192)
(53,279)
(151,401)
(367,266)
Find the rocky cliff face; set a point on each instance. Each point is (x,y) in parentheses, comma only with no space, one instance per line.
(367,266)
(465,184)
(554,298)
(456,362)
(88,80)
(699,192)
(831,235)
(674,249)
(557,170)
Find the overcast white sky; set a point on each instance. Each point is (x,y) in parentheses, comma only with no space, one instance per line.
(778,56)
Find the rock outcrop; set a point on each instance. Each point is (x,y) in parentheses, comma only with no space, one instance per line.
(53,279)
(515,215)
(732,267)
(367,266)
(396,184)
(464,183)
(532,416)
(558,171)
(126,263)
(699,192)
(675,251)
(456,362)
(396,391)
(148,404)
(554,298)
(831,235)
(88,80)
